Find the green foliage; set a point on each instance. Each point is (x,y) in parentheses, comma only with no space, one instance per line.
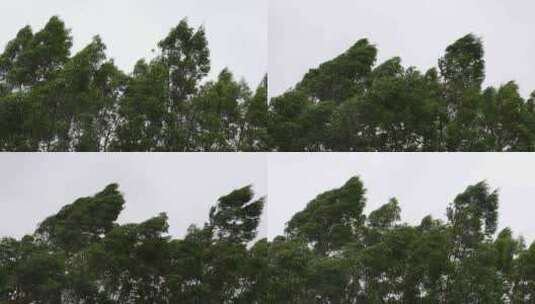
(30,272)
(386,215)
(52,101)
(474,214)
(460,261)
(236,216)
(348,104)
(343,76)
(83,222)
(254,128)
(463,64)
(331,253)
(332,218)
(82,255)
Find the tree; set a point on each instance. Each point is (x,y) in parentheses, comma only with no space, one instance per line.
(288,261)
(343,76)
(28,64)
(473,216)
(143,109)
(236,216)
(218,111)
(185,56)
(254,127)
(31,59)
(332,219)
(131,262)
(83,222)
(386,216)
(284,124)
(463,64)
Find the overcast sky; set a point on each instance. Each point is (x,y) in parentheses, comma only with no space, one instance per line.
(424,183)
(236,29)
(185,185)
(305,33)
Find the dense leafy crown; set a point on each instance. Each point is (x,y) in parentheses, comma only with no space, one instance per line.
(332,218)
(83,222)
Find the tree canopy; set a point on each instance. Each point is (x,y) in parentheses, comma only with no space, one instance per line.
(51,100)
(82,255)
(351,104)
(332,252)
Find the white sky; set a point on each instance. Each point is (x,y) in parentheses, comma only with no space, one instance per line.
(424,183)
(305,33)
(236,29)
(34,186)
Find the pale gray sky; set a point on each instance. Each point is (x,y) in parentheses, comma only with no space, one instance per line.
(185,185)
(424,183)
(236,29)
(305,33)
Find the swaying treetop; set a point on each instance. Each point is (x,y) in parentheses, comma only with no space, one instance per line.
(343,76)
(32,58)
(463,64)
(386,216)
(236,216)
(85,221)
(332,218)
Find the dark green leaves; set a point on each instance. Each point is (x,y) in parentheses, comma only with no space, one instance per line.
(463,64)
(236,216)
(83,222)
(386,216)
(186,55)
(342,77)
(474,213)
(33,58)
(332,218)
